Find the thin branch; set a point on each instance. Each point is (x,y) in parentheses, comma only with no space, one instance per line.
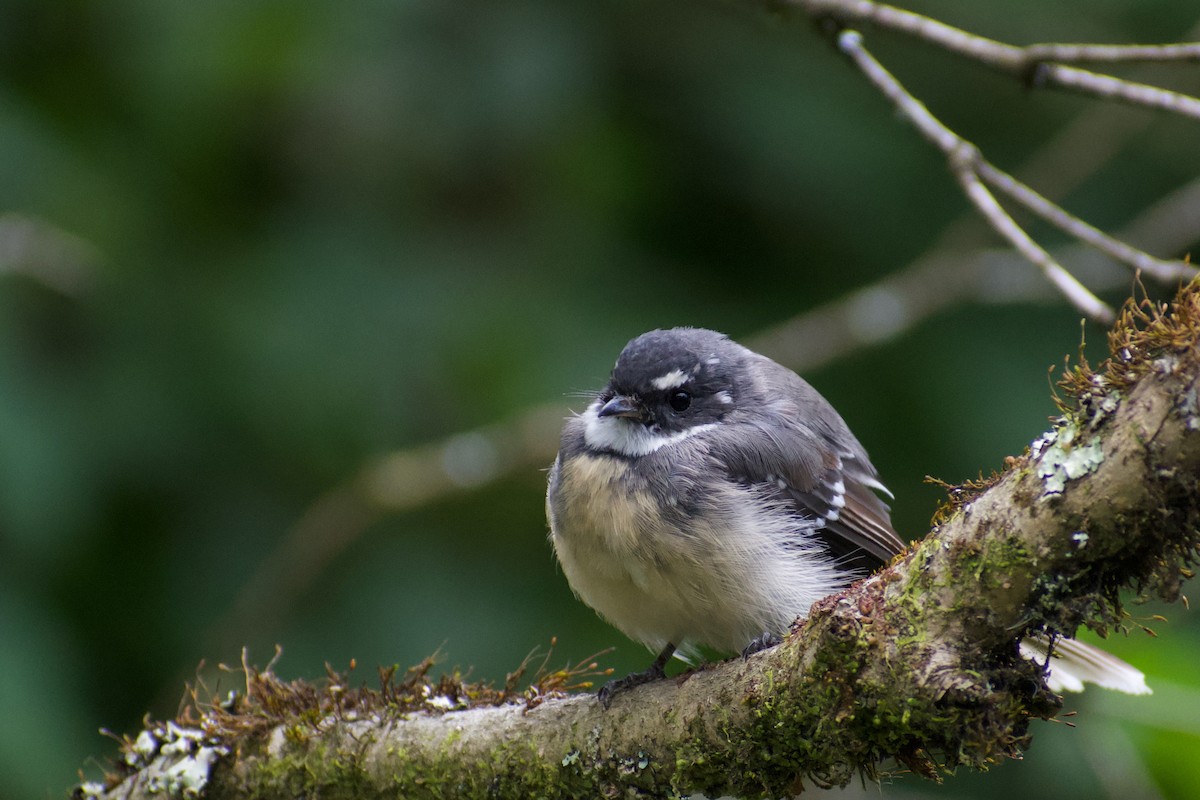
(1030,63)
(1112,53)
(1079,295)
(964,158)
(1159,269)
(1113,88)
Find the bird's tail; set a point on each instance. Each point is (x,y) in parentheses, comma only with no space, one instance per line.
(1075,663)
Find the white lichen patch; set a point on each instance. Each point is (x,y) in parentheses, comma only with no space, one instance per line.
(1189,406)
(1097,406)
(1102,407)
(142,750)
(1062,458)
(277,743)
(188,776)
(1042,442)
(174,760)
(88,789)
(440,701)
(1168,364)
(179,741)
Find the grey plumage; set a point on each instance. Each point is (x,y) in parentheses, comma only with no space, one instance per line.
(709,495)
(723,521)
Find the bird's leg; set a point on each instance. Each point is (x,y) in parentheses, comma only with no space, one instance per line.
(760,643)
(656,671)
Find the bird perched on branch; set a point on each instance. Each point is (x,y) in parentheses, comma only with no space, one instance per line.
(709,496)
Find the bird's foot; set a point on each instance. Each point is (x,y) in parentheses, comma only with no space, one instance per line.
(614,687)
(656,671)
(760,643)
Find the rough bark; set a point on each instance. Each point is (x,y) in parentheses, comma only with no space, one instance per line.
(918,664)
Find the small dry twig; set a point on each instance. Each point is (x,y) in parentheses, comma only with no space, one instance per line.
(964,159)
(1038,65)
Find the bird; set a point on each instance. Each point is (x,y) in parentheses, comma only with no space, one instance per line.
(708,496)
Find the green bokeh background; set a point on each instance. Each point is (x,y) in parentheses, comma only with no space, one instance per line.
(306,235)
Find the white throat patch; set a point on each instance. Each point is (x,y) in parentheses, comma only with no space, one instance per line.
(626,436)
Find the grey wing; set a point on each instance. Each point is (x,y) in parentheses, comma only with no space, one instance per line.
(858,529)
(824,474)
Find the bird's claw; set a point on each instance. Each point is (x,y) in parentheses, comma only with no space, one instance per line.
(760,643)
(614,687)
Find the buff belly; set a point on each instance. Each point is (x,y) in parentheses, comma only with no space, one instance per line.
(707,582)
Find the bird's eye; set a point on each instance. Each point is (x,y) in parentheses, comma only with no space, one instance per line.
(680,401)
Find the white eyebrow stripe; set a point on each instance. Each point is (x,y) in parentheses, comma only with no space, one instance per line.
(672,380)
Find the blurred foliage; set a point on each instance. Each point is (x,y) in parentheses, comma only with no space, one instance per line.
(266,242)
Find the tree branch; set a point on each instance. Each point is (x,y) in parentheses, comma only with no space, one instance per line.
(1035,63)
(919,663)
(1157,268)
(971,169)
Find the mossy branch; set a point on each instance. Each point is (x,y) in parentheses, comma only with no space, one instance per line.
(917,666)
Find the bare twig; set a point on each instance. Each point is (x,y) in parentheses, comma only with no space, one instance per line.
(1157,268)
(1112,53)
(1109,87)
(964,159)
(1079,296)
(954,273)
(1033,64)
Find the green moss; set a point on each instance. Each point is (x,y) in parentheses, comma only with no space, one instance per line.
(844,718)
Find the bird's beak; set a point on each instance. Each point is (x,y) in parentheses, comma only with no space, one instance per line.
(622,406)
